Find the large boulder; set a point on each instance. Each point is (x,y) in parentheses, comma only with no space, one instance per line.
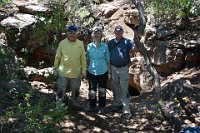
(24,35)
(17,29)
(18,21)
(166,57)
(108,10)
(140,78)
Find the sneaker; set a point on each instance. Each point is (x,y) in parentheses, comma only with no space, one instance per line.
(101,110)
(75,104)
(126,116)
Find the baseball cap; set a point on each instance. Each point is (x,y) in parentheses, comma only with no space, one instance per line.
(118,28)
(71,28)
(97,30)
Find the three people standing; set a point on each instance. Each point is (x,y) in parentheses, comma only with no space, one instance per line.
(104,62)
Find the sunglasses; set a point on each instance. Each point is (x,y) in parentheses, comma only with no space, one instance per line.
(72,32)
(97,32)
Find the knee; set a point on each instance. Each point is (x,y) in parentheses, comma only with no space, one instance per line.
(102,92)
(92,94)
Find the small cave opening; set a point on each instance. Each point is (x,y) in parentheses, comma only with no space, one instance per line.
(133,91)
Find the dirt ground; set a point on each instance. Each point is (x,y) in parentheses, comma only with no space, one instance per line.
(146,117)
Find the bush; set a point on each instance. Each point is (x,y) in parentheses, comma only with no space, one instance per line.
(35,116)
(174,9)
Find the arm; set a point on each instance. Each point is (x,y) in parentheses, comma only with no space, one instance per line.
(83,61)
(132,48)
(57,57)
(108,60)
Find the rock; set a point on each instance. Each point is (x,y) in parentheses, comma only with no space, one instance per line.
(23,35)
(117,15)
(178,89)
(139,79)
(3,15)
(33,9)
(108,10)
(41,75)
(131,17)
(134,71)
(192,57)
(18,21)
(165,34)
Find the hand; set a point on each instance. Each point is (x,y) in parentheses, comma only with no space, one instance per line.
(84,77)
(55,73)
(109,76)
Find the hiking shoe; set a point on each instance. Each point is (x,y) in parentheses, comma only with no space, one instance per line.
(101,110)
(76,104)
(127,116)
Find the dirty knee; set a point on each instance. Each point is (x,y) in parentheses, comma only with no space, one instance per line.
(92,94)
(102,92)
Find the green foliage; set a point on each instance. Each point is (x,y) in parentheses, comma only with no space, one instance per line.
(40,116)
(89,21)
(173,9)
(83,12)
(3,2)
(10,68)
(56,21)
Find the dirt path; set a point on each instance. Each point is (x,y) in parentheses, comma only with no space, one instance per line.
(145,118)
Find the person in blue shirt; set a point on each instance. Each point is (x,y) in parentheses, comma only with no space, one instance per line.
(98,60)
(120,49)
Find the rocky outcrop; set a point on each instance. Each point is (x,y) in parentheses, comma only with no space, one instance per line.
(108,10)
(166,58)
(179,108)
(22,32)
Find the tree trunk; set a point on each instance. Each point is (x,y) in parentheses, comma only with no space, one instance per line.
(138,31)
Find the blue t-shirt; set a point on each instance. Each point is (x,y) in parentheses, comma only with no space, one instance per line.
(120,51)
(97,58)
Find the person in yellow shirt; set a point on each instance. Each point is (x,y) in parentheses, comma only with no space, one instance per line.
(70,66)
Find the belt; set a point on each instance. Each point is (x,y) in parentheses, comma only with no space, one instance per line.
(119,66)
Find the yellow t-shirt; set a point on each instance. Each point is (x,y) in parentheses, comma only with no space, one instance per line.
(70,58)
